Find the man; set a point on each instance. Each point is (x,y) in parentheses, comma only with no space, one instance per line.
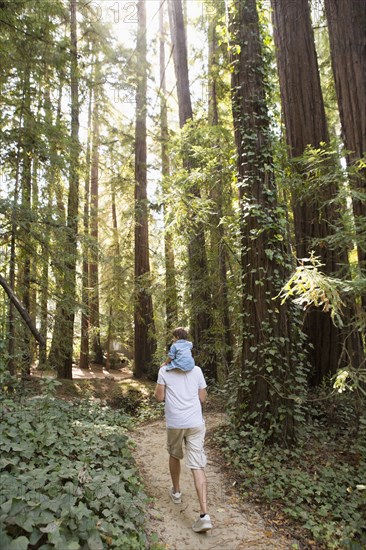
(183,393)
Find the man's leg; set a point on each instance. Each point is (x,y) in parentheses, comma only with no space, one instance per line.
(174,468)
(200,483)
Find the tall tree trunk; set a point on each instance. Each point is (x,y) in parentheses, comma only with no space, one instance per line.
(59,267)
(64,329)
(33,273)
(45,282)
(201,313)
(145,342)
(213,113)
(26,182)
(11,364)
(347,36)
(178,35)
(34,245)
(84,343)
(305,122)
(109,339)
(94,319)
(266,346)
(46,242)
(117,271)
(223,336)
(171,296)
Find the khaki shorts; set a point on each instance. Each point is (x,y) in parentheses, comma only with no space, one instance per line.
(193,440)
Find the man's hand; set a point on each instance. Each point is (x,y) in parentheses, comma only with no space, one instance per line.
(202,394)
(160,392)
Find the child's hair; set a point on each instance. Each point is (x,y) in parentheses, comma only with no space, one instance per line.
(180,333)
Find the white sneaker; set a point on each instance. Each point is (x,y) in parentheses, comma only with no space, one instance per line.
(176,497)
(202,524)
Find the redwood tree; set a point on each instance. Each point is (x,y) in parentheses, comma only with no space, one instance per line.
(219,190)
(171,297)
(199,287)
(268,371)
(84,340)
(64,322)
(145,342)
(314,217)
(347,36)
(94,321)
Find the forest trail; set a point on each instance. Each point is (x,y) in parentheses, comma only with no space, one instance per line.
(235,525)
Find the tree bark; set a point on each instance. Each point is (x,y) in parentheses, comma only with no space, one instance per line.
(347,36)
(213,113)
(267,340)
(84,344)
(178,34)
(171,296)
(94,319)
(59,236)
(223,340)
(65,327)
(306,124)
(26,186)
(144,338)
(11,317)
(201,311)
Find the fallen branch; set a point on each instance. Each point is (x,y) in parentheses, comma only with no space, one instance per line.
(23,312)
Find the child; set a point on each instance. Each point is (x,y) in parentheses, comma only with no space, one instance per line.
(180,355)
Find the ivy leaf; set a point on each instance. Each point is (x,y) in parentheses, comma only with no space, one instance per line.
(73,545)
(50,528)
(95,542)
(21,543)
(6,507)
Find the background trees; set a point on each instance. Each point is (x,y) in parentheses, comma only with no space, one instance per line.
(124,176)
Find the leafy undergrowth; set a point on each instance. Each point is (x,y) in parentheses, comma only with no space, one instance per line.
(68,477)
(317,488)
(133,397)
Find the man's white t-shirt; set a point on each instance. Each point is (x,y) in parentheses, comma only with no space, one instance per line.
(183,408)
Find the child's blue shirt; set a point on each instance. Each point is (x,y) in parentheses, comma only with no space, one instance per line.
(181,355)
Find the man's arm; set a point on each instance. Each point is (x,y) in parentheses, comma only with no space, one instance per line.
(160,392)
(202,394)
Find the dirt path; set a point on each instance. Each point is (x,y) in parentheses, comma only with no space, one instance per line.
(235,526)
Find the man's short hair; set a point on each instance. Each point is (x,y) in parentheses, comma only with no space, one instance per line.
(180,333)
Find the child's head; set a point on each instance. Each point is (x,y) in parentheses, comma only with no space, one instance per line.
(180,333)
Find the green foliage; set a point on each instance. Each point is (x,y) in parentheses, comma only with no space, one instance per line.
(68,478)
(317,170)
(210,153)
(311,176)
(312,287)
(320,484)
(350,379)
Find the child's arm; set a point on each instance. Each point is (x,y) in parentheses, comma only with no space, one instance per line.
(171,355)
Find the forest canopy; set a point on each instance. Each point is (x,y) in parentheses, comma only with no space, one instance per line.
(185,163)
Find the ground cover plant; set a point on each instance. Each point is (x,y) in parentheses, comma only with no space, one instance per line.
(320,484)
(67,475)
